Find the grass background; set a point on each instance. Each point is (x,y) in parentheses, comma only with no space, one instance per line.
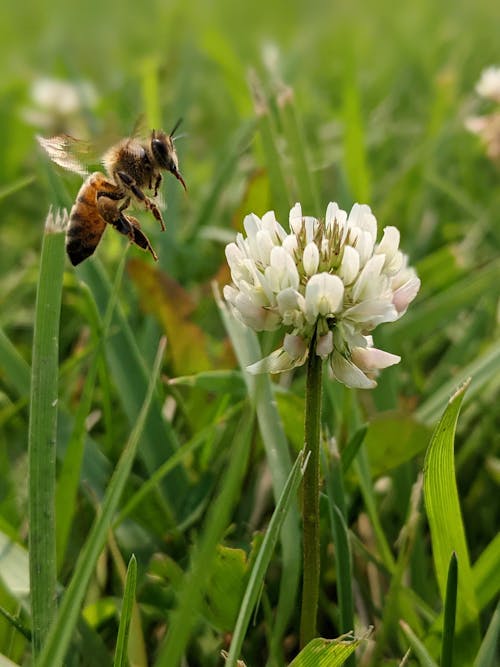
(380,96)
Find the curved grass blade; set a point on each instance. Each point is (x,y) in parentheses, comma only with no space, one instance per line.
(42,430)
(266,550)
(62,629)
(450,609)
(121,653)
(446,527)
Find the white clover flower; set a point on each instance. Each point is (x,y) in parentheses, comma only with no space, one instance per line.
(488,85)
(328,281)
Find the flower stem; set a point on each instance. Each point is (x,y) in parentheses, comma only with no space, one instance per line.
(310,499)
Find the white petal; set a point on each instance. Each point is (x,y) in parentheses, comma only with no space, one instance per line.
(282,271)
(277,362)
(361,216)
(310,258)
(252,224)
(370,283)
(371,312)
(295,219)
(256,317)
(349,374)
(324,294)
(349,268)
(331,212)
(265,244)
(290,244)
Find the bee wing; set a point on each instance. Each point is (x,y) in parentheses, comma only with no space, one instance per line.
(67,152)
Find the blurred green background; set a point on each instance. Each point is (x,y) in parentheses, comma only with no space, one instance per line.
(380,94)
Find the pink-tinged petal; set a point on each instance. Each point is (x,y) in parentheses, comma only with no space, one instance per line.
(295,347)
(371,359)
(349,374)
(405,294)
(324,345)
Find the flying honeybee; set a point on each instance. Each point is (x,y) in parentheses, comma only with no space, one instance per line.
(132,165)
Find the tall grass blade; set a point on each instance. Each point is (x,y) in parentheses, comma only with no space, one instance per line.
(121,653)
(261,564)
(42,431)
(62,629)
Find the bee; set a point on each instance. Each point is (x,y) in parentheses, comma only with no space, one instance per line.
(132,165)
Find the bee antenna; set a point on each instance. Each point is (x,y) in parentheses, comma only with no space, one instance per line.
(176,126)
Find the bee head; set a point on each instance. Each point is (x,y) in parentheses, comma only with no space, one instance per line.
(162,147)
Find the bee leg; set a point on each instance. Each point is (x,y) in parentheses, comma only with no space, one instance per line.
(157,184)
(140,239)
(131,185)
(130,227)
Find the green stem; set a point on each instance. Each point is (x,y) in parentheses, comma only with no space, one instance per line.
(310,500)
(42,433)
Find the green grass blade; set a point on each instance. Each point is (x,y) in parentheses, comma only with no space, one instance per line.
(483,369)
(191,595)
(487,655)
(293,131)
(121,653)
(447,530)
(486,573)
(366,487)
(131,374)
(355,157)
(450,610)
(176,459)
(266,550)
(280,195)
(42,431)
(14,368)
(62,629)
(69,477)
(343,557)
(326,653)
(423,656)
(259,387)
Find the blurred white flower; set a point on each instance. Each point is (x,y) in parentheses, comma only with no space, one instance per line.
(325,279)
(55,102)
(489,84)
(487,126)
